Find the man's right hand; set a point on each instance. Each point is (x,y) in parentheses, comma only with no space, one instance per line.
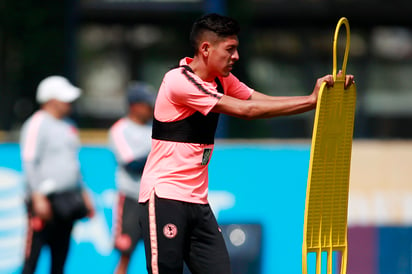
(328,79)
(41,206)
(329,83)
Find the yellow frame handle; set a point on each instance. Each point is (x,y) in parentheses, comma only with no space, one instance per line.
(342,21)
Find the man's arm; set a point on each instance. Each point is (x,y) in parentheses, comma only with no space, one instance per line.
(260,105)
(255,109)
(136,166)
(39,190)
(30,156)
(261,96)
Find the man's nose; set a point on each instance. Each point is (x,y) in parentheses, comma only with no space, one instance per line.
(235,55)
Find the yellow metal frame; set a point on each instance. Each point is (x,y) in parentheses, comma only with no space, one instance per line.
(325,224)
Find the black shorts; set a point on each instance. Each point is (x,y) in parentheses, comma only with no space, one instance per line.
(175,232)
(127,226)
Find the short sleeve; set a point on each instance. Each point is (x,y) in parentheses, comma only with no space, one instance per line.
(235,88)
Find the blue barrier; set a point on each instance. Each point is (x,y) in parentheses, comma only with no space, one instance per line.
(249,183)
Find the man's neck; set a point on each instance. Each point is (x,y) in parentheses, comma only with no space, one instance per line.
(52,111)
(135,119)
(199,67)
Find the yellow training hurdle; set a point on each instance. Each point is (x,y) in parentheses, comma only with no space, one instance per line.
(325,223)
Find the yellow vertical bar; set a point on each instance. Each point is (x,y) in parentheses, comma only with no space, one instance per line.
(330,250)
(344,260)
(330,258)
(304,259)
(319,261)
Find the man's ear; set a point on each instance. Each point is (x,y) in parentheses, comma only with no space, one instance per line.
(205,49)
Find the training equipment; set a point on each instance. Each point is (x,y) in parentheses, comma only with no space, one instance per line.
(325,224)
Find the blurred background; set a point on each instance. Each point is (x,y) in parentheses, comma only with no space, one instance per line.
(103,45)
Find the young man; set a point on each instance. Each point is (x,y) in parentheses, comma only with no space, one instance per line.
(56,196)
(179,225)
(130,141)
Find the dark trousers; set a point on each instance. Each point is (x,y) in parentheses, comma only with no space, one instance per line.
(56,234)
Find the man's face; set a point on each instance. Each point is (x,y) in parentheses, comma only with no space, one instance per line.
(62,108)
(141,111)
(223,55)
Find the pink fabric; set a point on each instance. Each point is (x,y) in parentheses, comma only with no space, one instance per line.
(174,169)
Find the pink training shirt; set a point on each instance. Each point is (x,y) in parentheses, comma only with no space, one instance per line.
(177,170)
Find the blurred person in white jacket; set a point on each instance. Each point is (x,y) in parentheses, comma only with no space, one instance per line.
(56,196)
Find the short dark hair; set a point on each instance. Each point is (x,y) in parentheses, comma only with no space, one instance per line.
(222,26)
